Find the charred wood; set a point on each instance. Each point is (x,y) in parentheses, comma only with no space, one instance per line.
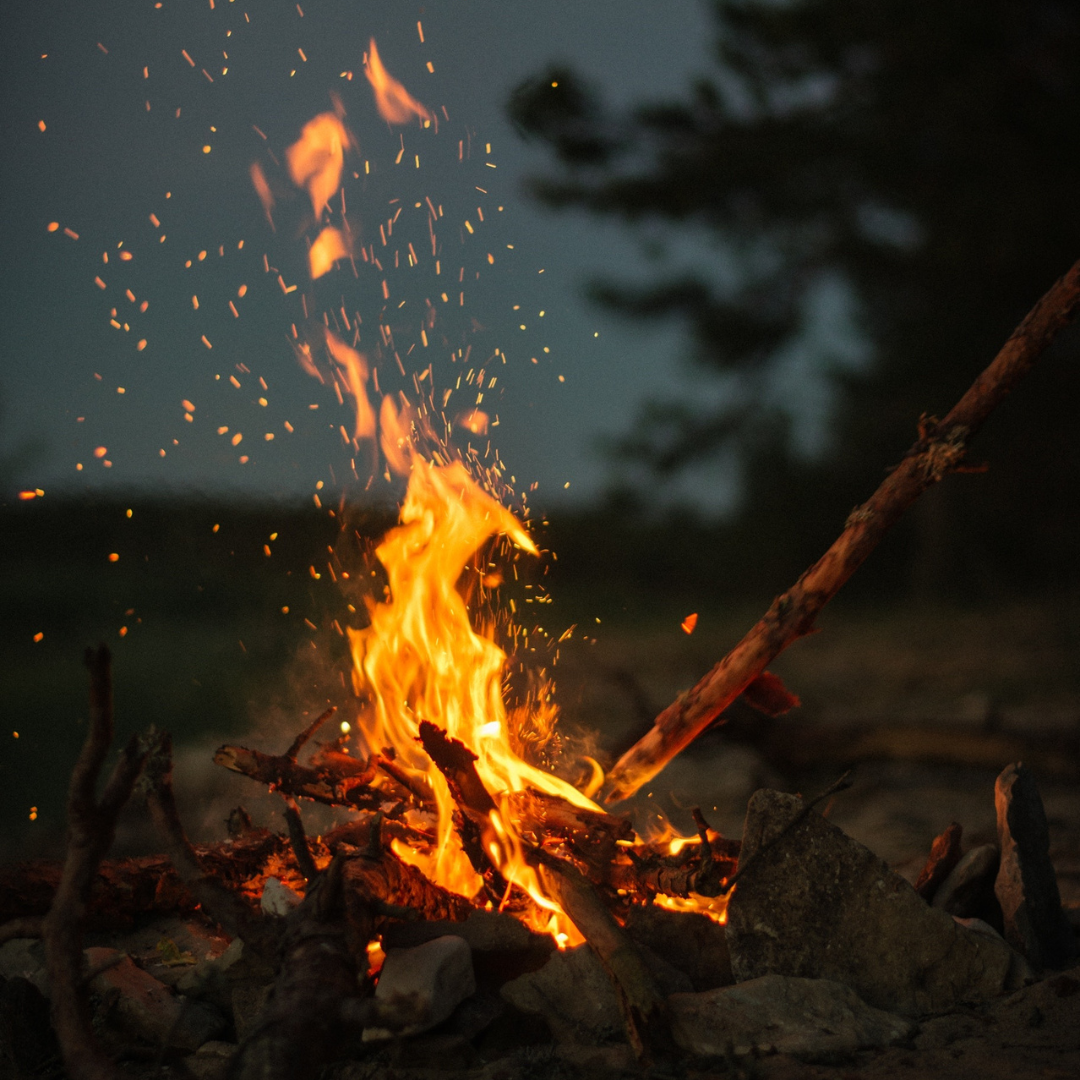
(340,782)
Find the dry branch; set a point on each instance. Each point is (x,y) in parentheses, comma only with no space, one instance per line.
(91,825)
(339,784)
(223,904)
(940,449)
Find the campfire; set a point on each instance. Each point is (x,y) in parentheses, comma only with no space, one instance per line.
(481,871)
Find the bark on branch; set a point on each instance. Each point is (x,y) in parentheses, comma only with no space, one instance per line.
(939,450)
(91,825)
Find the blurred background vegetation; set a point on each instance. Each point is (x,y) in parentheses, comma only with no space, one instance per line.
(849,215)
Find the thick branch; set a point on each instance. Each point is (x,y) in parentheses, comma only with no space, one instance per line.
(337,783)
(91,826)
(940,449)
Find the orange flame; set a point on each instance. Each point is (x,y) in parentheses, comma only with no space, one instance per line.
(262,189)
(421,659)
(329,246)
(354,372)
(395,104)
(316,159)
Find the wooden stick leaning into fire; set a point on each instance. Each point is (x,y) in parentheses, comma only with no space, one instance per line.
(940,449)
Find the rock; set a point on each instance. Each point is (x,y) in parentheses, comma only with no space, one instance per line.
(502,948)
(149,1008)
(248,1000)
(1021,973)
(813,903)
(27,1042)
(807,1018)
(574,996)
(1026,885)
(24,958)
(962,893)
(438,975)
(278,899)
(211,1061)
(944,855)
(689,942)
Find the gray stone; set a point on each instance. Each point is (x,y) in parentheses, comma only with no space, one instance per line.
(211,1061)
(207,977)
(688,941)
(437,976)
(969,880)
(148,1008)
(278,899)
(502,947)
(24,958)
(574,996)
(807,1018)
(1026,885)
(813,903)
(248,1000)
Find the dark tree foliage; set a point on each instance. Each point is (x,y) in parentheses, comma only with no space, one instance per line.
(926,153)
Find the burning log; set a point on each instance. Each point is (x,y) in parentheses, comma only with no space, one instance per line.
(376,879)
(940,449)
(643,1006)
(332,777)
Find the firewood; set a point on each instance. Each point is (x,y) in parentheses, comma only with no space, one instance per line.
(643,1006)
(645,871)
(225,905)
(91,825)
(337,785)
(940,449)
(316,1002)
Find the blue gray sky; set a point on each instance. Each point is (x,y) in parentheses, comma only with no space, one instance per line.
(105,163)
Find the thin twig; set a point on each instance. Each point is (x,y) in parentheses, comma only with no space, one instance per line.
(939,450)
(306,735)
(298,839)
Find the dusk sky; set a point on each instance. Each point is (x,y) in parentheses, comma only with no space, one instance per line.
(165,184)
